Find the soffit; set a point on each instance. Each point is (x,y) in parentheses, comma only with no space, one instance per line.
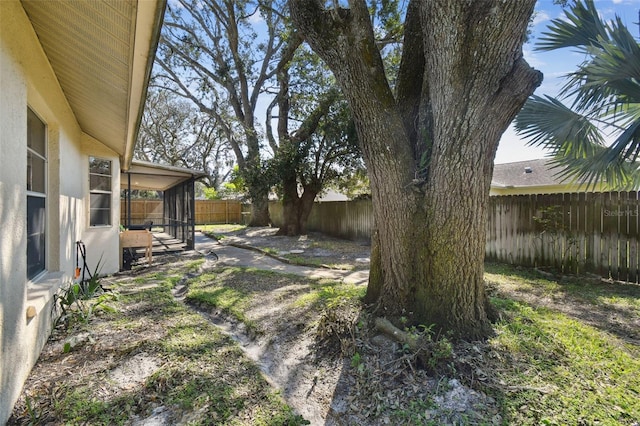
(100,59)
(156,177)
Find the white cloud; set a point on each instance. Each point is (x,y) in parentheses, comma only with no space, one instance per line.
(256,18)
(540,17)
(532,58)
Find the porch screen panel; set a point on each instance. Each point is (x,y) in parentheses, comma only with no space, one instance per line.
(179,214)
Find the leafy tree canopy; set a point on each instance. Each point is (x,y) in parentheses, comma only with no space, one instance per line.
(174,132)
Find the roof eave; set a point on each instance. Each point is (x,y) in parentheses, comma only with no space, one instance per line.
(147,36)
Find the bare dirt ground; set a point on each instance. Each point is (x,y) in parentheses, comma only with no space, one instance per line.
(325,358)
(331,366)
(314,248)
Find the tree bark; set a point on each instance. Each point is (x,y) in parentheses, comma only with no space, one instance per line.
(296,208)
(257,183)
(260,212)
(429,158)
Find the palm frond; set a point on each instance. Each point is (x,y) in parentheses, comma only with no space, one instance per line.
(627,146)
(583,27)
(548,123)
(605,99)
(612,74)
(598,172)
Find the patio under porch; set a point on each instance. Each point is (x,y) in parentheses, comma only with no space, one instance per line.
(170,232)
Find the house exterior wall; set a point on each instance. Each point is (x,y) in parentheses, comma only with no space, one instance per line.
(103,243)
(27,81)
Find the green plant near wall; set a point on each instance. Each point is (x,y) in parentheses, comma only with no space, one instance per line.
(78,301)
(555,241)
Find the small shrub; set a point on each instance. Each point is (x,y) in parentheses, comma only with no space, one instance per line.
(79,300)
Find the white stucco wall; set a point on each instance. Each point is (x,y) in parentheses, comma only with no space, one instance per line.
(102,243)
(12,222)
(27,80)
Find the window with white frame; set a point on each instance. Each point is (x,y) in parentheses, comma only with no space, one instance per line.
(99,192)
(36,194)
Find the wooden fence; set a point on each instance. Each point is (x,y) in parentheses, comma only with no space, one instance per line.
(207,211)
(218,211)
(142,211)
(577,233)
(352,220)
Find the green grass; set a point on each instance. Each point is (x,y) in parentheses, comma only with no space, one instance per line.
(328,294)
(212,289)
(553,367)
(556,370)
(202,374)
(231,301)
(585,290)
(76,408)
(232,289)
(414,414)
(218,231)
(544,365)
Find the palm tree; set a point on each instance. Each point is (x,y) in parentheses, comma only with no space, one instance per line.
(604,96)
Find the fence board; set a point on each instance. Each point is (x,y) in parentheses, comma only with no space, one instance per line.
(581,226)
(633,237)
(142,211)
(206,211)
(218,211)
(491,224)
(623,238)
(528,229)
(599,232)
(614,229)
(589,231)
(598,212)
(575,235)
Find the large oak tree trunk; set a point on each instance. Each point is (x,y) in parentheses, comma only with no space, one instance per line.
(256,180)
(296,208)
(260,212)
(429,150)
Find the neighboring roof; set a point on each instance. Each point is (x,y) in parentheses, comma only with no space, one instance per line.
(538,172)
(102,53)
(331,195)
(156,177)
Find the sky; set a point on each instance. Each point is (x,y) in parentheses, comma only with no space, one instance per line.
(556,64)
